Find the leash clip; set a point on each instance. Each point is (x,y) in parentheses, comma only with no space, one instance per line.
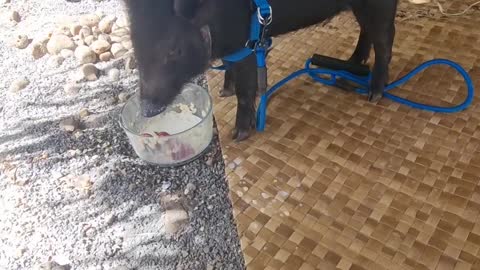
(265,21)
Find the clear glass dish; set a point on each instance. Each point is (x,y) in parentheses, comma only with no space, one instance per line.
(176,136)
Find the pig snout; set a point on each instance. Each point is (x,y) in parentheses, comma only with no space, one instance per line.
(148,108)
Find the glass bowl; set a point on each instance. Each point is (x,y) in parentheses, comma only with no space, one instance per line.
(176,136)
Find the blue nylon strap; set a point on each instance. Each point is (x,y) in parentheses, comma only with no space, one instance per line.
(238,56)
(254,28)
(254,39)
(264,8)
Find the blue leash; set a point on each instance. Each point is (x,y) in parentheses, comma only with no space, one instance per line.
(259,43)
(364,82)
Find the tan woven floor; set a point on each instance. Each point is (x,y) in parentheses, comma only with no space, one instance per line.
(338,183)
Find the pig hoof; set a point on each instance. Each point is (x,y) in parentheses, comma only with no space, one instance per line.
(227,92)
(240,135)
(374,96)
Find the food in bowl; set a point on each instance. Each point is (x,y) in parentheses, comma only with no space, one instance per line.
(179,134)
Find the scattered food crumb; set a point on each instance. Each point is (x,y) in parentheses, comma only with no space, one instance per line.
(69,124)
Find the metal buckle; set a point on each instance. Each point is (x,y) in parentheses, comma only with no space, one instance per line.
(264,21)
(249,45)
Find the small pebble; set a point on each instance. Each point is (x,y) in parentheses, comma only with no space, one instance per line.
(175,220)
(84,32)
(89,20)
(51,265)
(209,161)
(22,41)
(123,21)
(166,185)
(114,74)
(89,40)
(66,53)
(122,97)
(96,32)
(72,88)
(84,113)
(105,57)
(38,51)
(73,153)
(85,55)
(64,30)
(89,232)
(69,124)
(19,252)
(77,134)
(19,84)
(90,72)
(78,41)
(75,29)
(15,16)
(116,39)
(100,13)
(118,50)
(100,46)
(44,40)
(55,61)
(130,63)
(121,32)
(105,25)
(127,44)
(105,37)
(59,42)
(189,189)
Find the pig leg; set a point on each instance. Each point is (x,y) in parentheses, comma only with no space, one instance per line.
(364,44)
(382,44)
(245,73)
(377,22)
(228,84)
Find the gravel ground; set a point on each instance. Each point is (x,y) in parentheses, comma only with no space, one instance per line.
(83,199)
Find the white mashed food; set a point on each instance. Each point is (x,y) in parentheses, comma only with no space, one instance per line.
(156,146)
(172,122)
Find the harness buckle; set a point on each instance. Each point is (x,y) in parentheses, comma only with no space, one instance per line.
(265,21)
(251,45)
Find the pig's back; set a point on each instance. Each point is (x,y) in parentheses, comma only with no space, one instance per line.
(290,15)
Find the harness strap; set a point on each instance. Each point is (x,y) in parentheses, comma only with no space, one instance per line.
(258,42)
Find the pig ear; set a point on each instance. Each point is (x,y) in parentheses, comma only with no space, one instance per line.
(207,38)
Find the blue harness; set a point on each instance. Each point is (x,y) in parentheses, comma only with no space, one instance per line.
(259,43)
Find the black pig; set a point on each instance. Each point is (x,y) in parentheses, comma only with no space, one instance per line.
(175,40)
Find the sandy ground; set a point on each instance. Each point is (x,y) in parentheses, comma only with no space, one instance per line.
(84,199)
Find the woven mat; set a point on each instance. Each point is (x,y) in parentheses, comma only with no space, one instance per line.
(338,183)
